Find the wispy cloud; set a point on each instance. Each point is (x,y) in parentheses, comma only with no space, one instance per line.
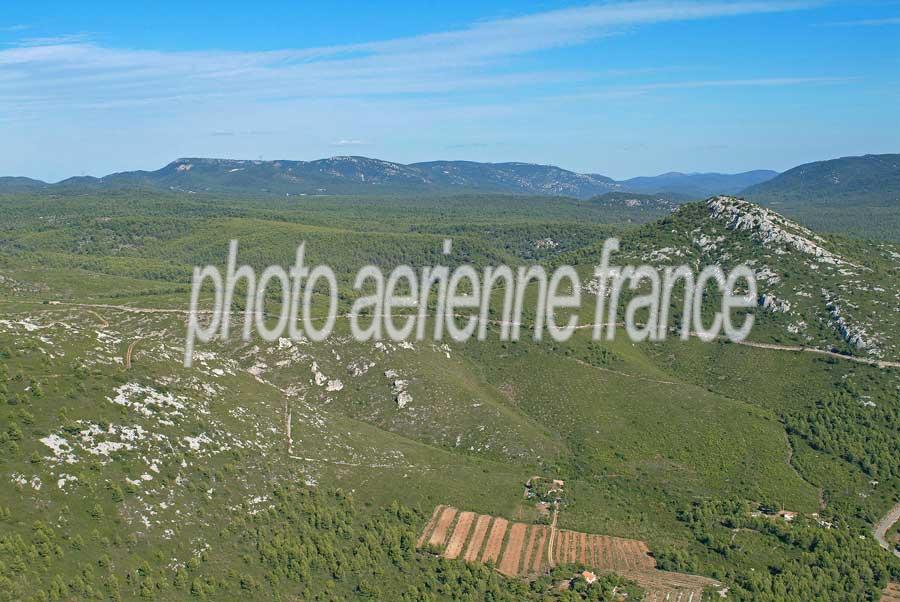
(766,82)
(70,38)
(14,28)
(73,71)
(349,142)
(467,146)
(625,92)
(227,133)
(864,22)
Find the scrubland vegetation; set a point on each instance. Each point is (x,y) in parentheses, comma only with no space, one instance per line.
(292,471)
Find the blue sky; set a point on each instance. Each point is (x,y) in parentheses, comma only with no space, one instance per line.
(617,88)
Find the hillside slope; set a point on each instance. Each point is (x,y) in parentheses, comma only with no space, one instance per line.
(848,181)
(515,177)
(300,468)
(15,185)
(814,290)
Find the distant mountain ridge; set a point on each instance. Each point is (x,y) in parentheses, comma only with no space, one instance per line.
(364,175)
(698,184)
(868,180)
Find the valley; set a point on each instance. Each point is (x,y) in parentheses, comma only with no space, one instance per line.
(119,451)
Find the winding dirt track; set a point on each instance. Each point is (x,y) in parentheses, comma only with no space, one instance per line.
(792,348)
(882,526)
(851,358)
(103,322)
(128,355)
(552,535)
(771,346)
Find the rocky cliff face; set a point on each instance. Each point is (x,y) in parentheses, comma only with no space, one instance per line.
(769,228)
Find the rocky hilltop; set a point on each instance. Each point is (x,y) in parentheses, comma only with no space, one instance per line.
(814,290)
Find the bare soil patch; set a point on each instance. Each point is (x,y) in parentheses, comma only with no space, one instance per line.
(540,546)
(478,534)
(509,565)
(460,533)
(429,526)
(520,549)
(529,548)
(495,541)
(443,525)
(891,593)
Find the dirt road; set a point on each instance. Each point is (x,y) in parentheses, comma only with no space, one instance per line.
(840,356)
(552,535)
(772,346)
(882,526)
(128,355)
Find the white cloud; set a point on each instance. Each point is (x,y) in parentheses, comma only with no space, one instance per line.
(242,133)
(349,142)
(764,82)
(865,22)
(44,74)
(626,92)
(71,38)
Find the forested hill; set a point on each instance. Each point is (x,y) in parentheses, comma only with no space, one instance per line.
(856,196)
(337,175)
(363,175)
(14,185)
(870,180)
